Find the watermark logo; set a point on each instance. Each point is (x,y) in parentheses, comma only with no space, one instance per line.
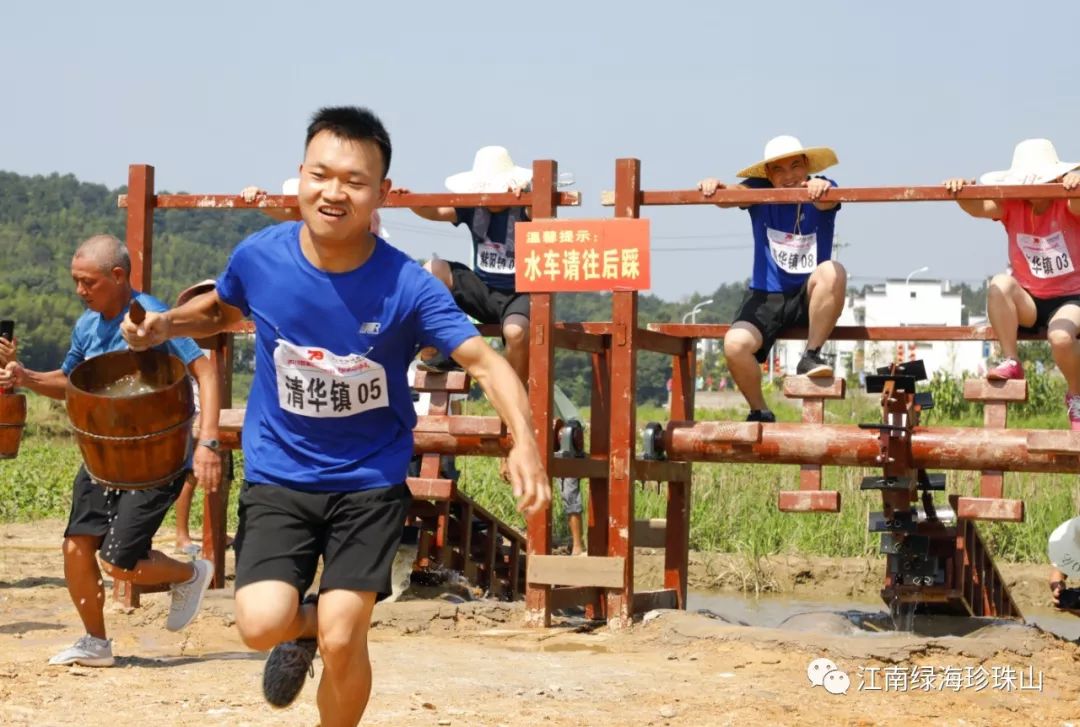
(824,673)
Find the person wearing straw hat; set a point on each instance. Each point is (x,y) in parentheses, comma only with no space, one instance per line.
(1043,287)
(487,291)
(328,430)
(795,281)
(118,526)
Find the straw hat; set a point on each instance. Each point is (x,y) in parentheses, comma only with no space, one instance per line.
(198,289)
(493,171)
(1064,547)
(291,186)
(781,147)
(1035,161)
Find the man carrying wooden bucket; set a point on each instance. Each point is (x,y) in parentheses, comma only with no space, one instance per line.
(338,314)
(121,524)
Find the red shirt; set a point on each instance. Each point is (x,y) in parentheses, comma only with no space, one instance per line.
(1044,250)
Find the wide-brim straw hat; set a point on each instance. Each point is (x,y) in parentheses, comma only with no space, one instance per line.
(493,171)
(198,289)
(1064,547)
(819,158)
(1035,161)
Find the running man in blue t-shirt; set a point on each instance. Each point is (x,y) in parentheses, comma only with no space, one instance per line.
(795,280)
(119,526)
(487,290)
(327,438)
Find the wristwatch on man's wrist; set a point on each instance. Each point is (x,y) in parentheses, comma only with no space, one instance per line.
(214,445)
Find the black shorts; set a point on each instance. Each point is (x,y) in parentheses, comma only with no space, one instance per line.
(283,532)
(1045,308)
(487,305)
(771,313)
(125,520)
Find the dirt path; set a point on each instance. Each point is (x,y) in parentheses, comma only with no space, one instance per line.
(474,664)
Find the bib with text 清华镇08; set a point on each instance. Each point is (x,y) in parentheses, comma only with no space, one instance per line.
(792,252)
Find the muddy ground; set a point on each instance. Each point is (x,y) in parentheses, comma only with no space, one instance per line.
(442,663)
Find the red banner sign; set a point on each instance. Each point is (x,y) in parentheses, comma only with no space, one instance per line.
(573,256)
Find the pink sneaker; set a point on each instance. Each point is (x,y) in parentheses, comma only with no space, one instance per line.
(1009,368)
(1072,403)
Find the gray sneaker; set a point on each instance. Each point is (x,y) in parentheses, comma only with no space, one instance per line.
(187,597)
(87,651)
(286,670)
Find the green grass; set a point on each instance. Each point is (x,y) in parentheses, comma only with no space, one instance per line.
(733,505)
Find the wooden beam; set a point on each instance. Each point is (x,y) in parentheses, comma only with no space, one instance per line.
(650,533)
(660,342)
(854,333)
(574,596)
(990,508)
(394,199)
(431,488)
(573,570)
(986,390)
(648,600)
(454,382)
(804,387)
(845,194)
(1055,441)
(591,467)
(661,470)
(571,339)
(809,501)
(721,432)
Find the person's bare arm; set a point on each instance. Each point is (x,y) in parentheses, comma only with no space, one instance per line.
(206,462)
(202,316)
(504,390)
(984,208)
(1072,181)
(47,383)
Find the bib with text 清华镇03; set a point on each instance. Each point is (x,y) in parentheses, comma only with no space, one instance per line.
(314,382)
(491,258)
(793,253)
(1048,257)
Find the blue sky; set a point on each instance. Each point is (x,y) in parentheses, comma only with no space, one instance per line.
(216,96)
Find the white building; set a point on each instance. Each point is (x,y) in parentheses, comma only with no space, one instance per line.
(897,303)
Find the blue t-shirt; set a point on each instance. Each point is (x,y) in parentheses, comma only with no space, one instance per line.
(493,243)
(94,335)
(328,345)
(790,240)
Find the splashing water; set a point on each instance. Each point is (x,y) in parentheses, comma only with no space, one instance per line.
(125,386)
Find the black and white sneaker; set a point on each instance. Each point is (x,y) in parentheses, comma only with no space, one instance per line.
(287,668)
(813,364)
(438,364)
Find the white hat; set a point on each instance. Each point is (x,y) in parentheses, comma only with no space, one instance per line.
(1035,161)
(198,289)
(291,186)
(493,171)
(1064,550)
(819,157)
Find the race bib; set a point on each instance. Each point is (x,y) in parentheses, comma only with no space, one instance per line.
(1048,257)
(313,382)
(491,257)
(791,252)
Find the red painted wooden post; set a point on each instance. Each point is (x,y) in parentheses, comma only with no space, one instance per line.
(215,504)
(620,603)
(140,224)
(599,443)
(541,393)
(677,545)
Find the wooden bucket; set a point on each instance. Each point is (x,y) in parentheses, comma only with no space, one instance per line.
(132,417)
(12,421)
